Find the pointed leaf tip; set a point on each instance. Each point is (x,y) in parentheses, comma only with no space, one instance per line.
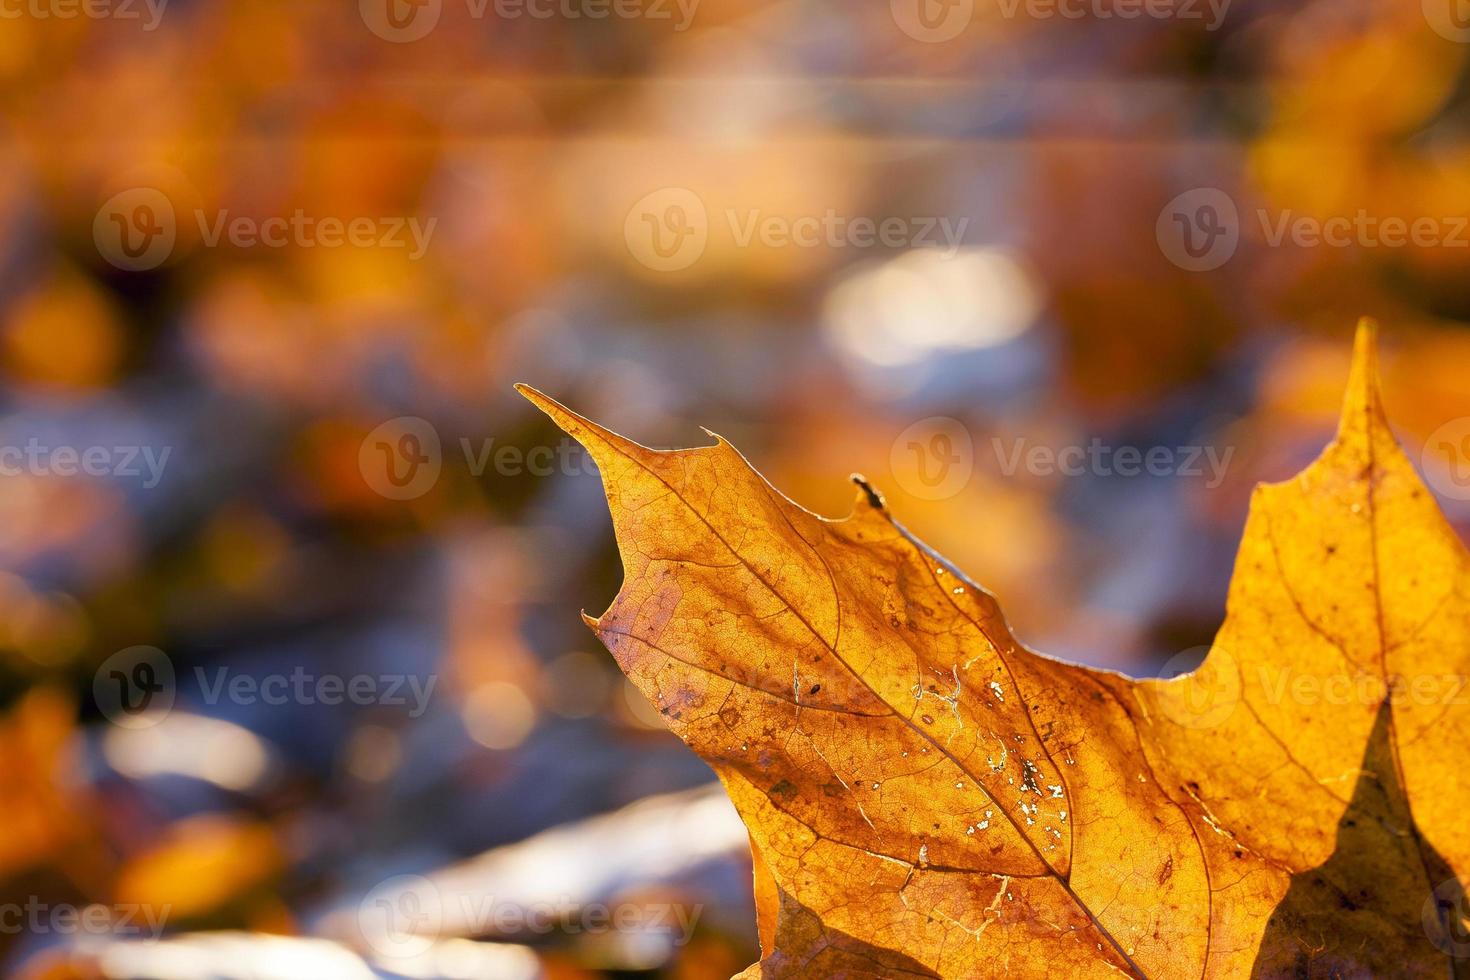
(1365,346)
(584,430)
(538,398)
(868,492)
(1361,403)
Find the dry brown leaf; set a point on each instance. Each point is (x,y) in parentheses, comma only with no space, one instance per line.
(926,797)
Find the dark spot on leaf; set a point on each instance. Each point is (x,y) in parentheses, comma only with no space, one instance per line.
(875,499)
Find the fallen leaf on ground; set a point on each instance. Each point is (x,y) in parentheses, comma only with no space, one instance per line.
(926,797)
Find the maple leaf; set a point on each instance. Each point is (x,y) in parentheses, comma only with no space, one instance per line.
(926,797)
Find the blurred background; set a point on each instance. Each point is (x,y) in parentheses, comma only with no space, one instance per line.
(292,679)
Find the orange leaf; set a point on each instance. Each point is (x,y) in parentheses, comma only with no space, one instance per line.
(929,798)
